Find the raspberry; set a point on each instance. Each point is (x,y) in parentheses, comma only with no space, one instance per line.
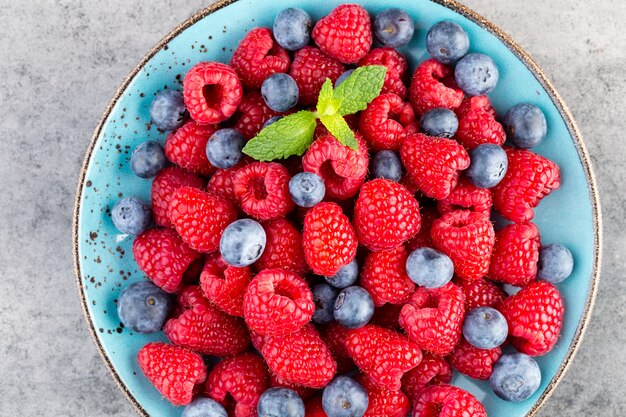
(257,57)
(186,147)
(192,274)
(433,318)
(384,122)
(212,92)
(535,317)
(396,66)
(473,362)
(433,163)
(200,218)
(428,88)
(385,215)
(529,178)
(387,316)
(384,276)
(253,114)
(432,370)
(515,254)
(263,190)
(187,298)
(258,340)
(175,372)
(467,196)
(447,401)
(310,68)
(277,302)
(422,239)
(313,408)
(335,336)
(283,247)
(301,390)
(477,123)
(163,257)
(345,33)
(163,187)
(221,185)
(328,239)
(480,293)
(468,239)
(225,285)
(382,354)
(383,401)
(300,357)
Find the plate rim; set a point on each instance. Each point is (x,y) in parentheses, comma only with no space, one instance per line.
(455,6)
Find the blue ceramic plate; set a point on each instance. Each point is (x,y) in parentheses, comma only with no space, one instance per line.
(104,263)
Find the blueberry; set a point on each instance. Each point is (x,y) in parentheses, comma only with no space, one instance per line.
(515,377)
(447,42)
(272,120)
(510,289)
(280,402)
(344,397)
(143,307)
(292,28)
(354,307)
(223,149)
(306,189)
(148,159)
(485,328)
(393,28)
(555,263)
(476,74)
(440,122)
(429,268)
(387,164)
(324,297)
(488,166)
(346,276)
(280,92)
(343,77)
(168,110)
(242,242)
(204,407)
(131,215)
(525,125)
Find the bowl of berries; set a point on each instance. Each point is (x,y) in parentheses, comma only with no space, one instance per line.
(300,208)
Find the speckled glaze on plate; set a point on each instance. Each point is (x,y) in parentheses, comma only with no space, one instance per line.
(103,258)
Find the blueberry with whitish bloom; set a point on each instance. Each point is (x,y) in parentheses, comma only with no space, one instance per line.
(307,189)
(280,402)
(525,125)
(440,122)
(324,297)
(143,307)
(242,242)
(354,307)
(387,164)
(343,77)
(488,165)
(394,28)
(476,74)
(272,120)
(131,215)
(447,42)
(485,328)
(555,263)
(429,268)
(204,407)
(223,149)
(167,110)
(346,276)
(148,159)
(292,28)
(515,377)
(280,92)
(344,397)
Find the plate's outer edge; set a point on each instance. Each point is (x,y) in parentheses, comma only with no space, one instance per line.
(482,22)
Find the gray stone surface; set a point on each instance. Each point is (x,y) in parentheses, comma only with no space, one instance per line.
(61,61)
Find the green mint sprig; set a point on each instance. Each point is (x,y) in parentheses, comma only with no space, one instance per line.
(293,134)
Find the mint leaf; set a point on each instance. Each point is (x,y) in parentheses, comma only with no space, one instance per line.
(361,87)
(291,135)
(338,127)
(327,104)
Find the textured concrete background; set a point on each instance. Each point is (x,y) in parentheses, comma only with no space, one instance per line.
(61,61)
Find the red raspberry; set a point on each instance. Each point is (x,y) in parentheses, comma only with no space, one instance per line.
(328,239)
(535,317)
(300,357)
(253,114)
(200,217)
(175,372)
(408,183)
(263,190)
(382,354)
(165,183)
(480,293)
(433,318)
(258,340)
(283,247)
(187,298)
(309,69)
(163,257)
(447,401)
(345,33)
(529,178)
(221,184)
(433,163)
(432,370)
(277,302)
(467,196)
(304,392)
(335,336)
(225,285)
(422,239)
(384,276)
(313,408)
(186,147)
(468,239)
(387,316)
(212,92)
(515,254)
(396,66)
(473,362)
(383,401)
(429,91)
(257,57)
(384,122)
(477,123)
(385,215)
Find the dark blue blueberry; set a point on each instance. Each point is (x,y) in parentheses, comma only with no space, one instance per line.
(344,397)
(440,122)
(292,28)
(168,110)
(510,289)
(354,307)
(555,263)
(343,77)
(488,166)
(131,215)
(280,92)
(515,377)
(223,149)
(280,402)
(387,164)
(306,189)
(272,120)
(485,328)
(242,242)
(324,297)
(143,307)
(447,42)
(346,276)
(148,159)
(429,268)
(476,74)
(525,125)
(393,28)
(204,407)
